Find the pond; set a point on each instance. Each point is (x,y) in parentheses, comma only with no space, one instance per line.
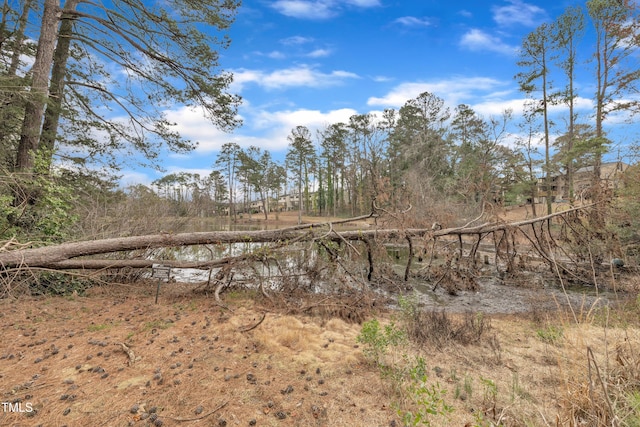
(493,295)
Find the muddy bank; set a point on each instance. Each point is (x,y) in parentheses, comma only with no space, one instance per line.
(494,296)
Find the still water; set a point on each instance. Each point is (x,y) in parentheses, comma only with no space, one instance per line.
(493,296)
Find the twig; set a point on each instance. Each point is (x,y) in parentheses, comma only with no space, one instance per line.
(591,359)
(200,417)
(435,286)
(407,270)
(264,315)
(445,274)
(347,242)
(543,417)
(475,219)
(391,214)
(324,224)
(13,245)
(564,290)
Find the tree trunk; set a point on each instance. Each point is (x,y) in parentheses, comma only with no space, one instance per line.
(19,39)
(547,158)
(56,87)
(13,106)
(34,111)
(57,256)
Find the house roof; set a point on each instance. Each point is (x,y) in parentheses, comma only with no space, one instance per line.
(603,165)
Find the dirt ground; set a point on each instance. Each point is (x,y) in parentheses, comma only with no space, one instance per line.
(114,358)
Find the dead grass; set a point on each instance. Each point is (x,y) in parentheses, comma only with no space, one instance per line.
(192,361)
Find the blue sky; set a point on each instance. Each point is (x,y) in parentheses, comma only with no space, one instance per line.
(317,62)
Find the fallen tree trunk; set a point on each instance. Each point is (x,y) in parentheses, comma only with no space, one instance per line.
(50,256)
(63,256)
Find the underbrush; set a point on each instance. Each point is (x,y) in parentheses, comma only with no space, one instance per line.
(393,349)
(599,360)
(49,283)
(584,367)
(438,328)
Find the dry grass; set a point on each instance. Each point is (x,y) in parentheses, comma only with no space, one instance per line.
(192,361)
(600,375)
(189,353)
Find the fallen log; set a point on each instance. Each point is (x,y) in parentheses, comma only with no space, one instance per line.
(50,256)
(63,256)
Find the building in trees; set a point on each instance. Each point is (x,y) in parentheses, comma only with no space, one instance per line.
(611,174)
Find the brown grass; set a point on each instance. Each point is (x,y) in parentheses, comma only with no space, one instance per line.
(65,357)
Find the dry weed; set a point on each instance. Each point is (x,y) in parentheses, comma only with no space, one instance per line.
(600,374)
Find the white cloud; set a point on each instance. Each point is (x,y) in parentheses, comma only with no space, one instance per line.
(363,3)
(494,103)
(268,129)
(382,79)
(192,124)
(275,54)
(319,53)
(455,90)
(412,21)
(302,75)
(296,40)
(129,178)
(518,12)
(277,125)
(478,40)
(318,9)
(304,9)
(303,117)
(495,107)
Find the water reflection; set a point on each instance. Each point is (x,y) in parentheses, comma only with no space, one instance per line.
(492,296)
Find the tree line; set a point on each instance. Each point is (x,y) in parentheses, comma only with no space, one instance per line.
(84,85)
(424,154)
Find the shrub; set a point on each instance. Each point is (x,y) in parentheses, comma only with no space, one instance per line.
(427,400)
(377,340)
(437,327)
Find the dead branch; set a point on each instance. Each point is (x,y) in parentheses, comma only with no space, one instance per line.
(249,328)
(221,285)
(63,256)
(128,352)
(407,269)
(200,417)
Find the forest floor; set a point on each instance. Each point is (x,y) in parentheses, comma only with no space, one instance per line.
(112,357)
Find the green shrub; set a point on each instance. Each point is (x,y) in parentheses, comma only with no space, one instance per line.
(551,334)
(426,400)
(377,340)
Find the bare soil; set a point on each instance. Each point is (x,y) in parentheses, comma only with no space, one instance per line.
(114,358)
